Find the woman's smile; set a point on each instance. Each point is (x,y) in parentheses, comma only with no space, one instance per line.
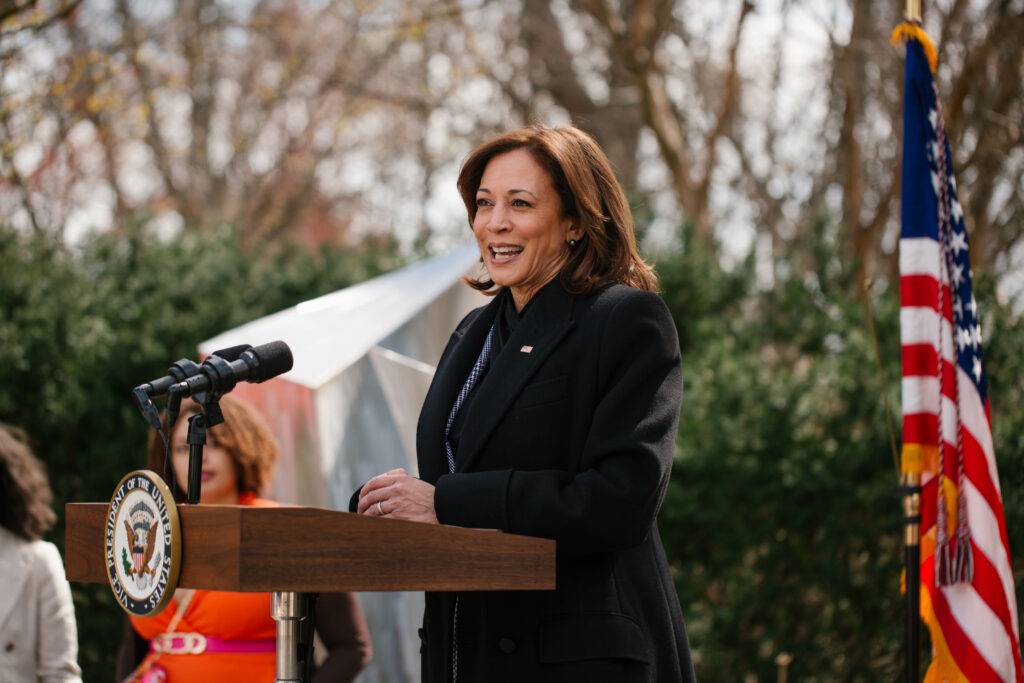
(503,253)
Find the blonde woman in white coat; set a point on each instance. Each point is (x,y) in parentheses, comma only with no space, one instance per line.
(38,638)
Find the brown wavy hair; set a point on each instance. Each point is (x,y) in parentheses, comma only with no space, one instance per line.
(591,196)
(25,495)
(244,434)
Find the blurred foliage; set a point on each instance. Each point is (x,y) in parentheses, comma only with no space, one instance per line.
(781,520)
(80,328)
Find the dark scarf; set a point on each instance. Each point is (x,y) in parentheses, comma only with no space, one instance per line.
(506,320)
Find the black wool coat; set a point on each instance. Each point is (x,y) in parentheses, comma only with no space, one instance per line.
(570,436)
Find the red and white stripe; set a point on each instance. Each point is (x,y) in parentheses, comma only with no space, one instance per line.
(978,619)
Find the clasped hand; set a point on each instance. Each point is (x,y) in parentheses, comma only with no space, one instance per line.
(396,495)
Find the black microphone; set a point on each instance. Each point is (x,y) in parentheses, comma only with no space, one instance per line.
(178,372)
(257,364)
(184,368)
(215,378)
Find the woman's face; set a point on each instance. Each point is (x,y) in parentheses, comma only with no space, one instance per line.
(219,481)
(519,225)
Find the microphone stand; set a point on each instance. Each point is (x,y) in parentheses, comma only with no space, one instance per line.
(196,439)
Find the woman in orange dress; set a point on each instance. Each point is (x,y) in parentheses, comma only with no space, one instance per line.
(223,636)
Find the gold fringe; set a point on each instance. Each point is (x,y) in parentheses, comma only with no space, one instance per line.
(918,458)
(910,31)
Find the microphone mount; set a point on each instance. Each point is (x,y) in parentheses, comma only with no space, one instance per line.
(206,384)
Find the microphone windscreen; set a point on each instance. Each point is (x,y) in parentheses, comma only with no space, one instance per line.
(232,353)
(273,359)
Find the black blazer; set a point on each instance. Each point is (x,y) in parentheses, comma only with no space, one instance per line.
(570,436)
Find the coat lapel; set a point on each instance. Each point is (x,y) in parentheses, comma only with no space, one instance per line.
(14,571)
(541,330)
(449,377)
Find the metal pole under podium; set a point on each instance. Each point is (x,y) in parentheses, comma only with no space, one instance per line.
(288,610)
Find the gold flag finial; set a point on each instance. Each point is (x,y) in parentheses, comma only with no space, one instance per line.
(913,10)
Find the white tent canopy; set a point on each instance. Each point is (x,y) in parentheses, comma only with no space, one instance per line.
(364,357)
(332,332)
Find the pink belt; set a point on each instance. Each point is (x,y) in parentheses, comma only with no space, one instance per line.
(197,644)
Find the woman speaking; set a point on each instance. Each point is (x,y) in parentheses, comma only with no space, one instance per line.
(553,413)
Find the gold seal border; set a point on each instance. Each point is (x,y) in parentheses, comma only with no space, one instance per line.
(173,530)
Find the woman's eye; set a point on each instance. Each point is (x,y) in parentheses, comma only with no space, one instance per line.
(520,202)
(480,201)
(181,448)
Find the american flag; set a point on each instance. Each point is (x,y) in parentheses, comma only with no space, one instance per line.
(967,592)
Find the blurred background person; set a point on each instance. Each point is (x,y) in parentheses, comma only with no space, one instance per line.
(38,638)
(239,631)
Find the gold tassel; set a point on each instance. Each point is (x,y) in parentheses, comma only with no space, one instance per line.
(911,31)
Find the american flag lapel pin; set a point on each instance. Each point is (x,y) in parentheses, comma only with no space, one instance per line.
(526,349)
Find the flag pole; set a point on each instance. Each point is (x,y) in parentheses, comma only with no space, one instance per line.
(913,10)
(911,491)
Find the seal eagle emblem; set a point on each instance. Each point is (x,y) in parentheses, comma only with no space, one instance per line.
(141,526)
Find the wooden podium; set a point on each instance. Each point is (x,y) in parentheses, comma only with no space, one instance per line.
(291,551)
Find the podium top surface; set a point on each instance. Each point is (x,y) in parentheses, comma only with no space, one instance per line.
(309,550)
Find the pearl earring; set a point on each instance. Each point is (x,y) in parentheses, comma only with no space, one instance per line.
(572,243)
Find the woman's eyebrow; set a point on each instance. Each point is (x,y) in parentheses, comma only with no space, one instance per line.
(515,191)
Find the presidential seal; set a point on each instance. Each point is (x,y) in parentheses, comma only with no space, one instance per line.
(142,544)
